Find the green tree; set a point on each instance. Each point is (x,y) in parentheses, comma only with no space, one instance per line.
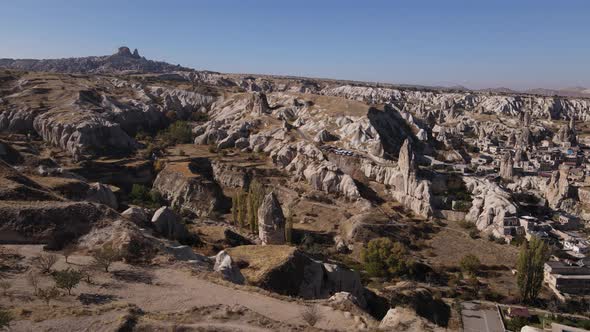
(384,258)
(531,261)
(242,208)
(256,194)
(139,193)
(179,132)
(289,228)
(67,279)
(470,264)
(234,208)
(104,257)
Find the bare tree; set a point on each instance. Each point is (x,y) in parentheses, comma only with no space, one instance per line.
(67,252)
(45,262)
(33,280)
(311,315)
(48,294)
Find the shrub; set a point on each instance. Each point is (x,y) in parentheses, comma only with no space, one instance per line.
(473,233)
(104,257)
(179,132)
(5,319)
(466,224)
(5,285)
(138,252)
(33,281)
(48,294)
(384,258)
(45,262)
(199,116)
(141,195)
(462,206)
(67,279)
(470,264)
(311,315)
(159,165)
(516,323)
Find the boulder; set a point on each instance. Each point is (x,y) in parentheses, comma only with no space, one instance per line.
(167,223)
(101,193)
(226,267)
(271,221)
(137,215)
(404,319)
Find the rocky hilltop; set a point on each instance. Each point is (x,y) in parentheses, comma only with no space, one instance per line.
(120,62)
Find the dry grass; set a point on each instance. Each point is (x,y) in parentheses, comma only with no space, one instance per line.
(261,259)
(452,242)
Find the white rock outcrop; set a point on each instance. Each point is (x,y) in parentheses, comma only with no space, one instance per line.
(227,268)
(271,221)
(169,224)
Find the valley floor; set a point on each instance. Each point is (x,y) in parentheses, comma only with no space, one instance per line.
(163,294)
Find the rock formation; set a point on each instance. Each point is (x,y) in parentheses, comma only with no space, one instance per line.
(507,167)
(227,268)
(190,187)
(291,272)
(558,188)
(271,221)
(406,187)
(137,215)
(259,104)
(489,206)
(167,223)
(103,194)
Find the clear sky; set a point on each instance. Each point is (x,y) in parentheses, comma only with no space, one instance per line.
(476,43)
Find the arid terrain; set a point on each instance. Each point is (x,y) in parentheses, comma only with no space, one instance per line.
(171,199)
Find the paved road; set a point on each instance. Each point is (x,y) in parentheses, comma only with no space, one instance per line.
(481,318)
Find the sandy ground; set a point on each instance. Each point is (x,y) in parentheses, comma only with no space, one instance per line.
(162,290)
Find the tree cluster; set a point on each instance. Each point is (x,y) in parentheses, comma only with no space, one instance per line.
(245,205)
(385,258)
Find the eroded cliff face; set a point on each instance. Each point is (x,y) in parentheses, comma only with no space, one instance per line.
(490,205)
(88,116)
(81,133)
(558,188)
(403,181)
(191,188)
(539,107)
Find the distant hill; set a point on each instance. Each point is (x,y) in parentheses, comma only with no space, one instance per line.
(123,61)
(499,90)
(568,92)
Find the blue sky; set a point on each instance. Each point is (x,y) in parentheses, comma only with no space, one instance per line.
(476,43)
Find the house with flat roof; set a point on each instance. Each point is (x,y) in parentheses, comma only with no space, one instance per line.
(567,278)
